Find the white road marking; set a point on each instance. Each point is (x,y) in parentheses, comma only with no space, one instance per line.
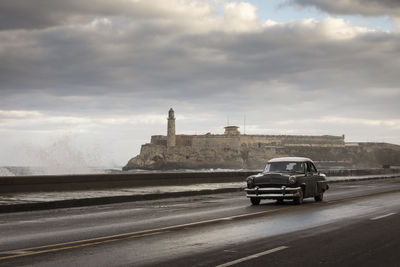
(252,256)
(383,216)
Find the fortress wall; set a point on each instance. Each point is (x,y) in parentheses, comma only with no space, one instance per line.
(315,145)
(365,155)
(317,140)
(159,140)
(216,141)
(181,140)
(279,140)
(231,141)
(149,149)
(316,153)
(263,139)
(225,152)
(368,145)
(184,140)
(378,154)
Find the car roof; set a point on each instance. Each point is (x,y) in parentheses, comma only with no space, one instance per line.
(290,159)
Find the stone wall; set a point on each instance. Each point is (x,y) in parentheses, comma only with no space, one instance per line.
(280,140)
(252,152)
(236,140)
(379,154)
(216,141)
(159,140)
(184,140)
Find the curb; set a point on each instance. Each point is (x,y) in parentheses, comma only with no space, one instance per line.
(348,180)
(73,203)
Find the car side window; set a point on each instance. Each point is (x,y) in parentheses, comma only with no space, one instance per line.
(308,169)
(313,169)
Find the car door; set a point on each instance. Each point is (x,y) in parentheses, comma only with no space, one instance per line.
(311,176)
(319,182)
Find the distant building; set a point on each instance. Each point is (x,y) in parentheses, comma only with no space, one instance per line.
(233,150)
(231,130)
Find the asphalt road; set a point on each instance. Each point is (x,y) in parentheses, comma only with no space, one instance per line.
(357,224)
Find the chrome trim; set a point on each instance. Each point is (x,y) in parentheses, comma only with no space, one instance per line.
(272,195)
(272,189)
(273,192)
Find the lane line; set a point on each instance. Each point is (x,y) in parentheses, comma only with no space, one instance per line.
(383,216)
(254,256)
(113,238)
(28,253)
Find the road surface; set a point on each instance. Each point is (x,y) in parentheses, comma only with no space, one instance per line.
(358,223)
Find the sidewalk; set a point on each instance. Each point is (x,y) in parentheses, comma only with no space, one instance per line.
(48,200)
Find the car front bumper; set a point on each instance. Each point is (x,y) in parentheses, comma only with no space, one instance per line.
(273,192)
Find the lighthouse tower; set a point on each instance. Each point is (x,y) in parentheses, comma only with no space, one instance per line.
(171,128)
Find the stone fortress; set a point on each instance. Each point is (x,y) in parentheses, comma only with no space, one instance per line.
(241,151)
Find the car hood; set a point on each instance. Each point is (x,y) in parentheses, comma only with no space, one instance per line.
(272,178)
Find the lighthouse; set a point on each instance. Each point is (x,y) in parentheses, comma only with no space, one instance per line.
(171,129)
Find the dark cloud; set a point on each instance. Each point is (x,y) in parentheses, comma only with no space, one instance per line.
(107,58)
(40,14)
(354,7)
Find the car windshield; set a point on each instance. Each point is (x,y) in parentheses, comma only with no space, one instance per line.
(295,167)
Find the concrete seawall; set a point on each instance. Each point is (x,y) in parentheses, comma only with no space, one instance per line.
(14,184)
(50,183)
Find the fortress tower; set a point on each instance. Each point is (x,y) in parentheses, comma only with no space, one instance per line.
(171,128)
(232,130)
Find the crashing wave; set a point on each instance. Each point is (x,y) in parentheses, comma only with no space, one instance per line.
(5,172)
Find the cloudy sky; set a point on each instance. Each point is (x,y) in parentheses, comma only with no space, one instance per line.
(93,80)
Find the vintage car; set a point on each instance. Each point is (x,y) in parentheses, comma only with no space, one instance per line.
(287,178)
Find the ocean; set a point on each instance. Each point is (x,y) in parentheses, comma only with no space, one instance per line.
(31,171)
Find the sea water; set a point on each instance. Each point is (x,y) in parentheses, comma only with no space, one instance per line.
(29,171)
(60,157)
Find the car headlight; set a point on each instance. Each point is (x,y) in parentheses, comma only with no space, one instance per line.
(292,180)
(250,182)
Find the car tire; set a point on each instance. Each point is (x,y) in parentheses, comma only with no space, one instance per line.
(255,201)
(319,197)
(299,200)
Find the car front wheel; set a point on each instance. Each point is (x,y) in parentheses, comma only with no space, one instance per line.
(255,201)
(298,200)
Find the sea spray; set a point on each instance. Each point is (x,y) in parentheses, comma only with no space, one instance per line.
(60,157)
(5,172)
